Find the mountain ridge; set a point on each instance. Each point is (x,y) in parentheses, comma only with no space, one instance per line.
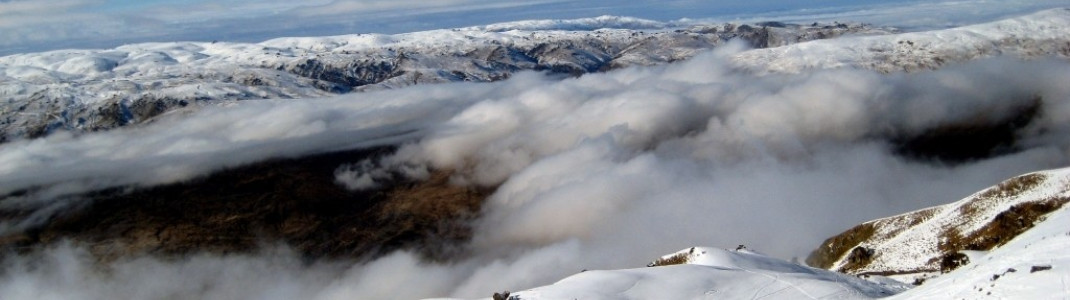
(91,90)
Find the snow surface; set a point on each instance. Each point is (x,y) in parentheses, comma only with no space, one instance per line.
(1039,34)
(1008,272)
(909,243)
(713,273)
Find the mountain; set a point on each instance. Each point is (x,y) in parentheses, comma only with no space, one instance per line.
(713,273)
(1032,265)
(1008,240)
(1040,34)
(91,90)
(923,243)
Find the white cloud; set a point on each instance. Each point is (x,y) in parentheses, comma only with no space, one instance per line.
(365,6)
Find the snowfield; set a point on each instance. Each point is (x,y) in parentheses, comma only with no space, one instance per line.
(1035,265)
(1040,34)
(713,273)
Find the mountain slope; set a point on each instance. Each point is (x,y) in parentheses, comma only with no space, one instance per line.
(1033,265)
(934,239)
(89,90)
(1040,34)
(713,273)
(1028,263)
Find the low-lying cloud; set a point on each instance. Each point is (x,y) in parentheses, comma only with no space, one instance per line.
(602,171)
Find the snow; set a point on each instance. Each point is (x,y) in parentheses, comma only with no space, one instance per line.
(1043,246)
(714,273)
(906,244)
(1038,34)
(1034,265)
(91,81)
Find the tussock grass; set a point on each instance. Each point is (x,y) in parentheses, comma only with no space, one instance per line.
(677,259)
(836,247)
(1004,227)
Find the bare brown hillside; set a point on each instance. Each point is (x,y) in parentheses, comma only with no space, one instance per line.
(286,201)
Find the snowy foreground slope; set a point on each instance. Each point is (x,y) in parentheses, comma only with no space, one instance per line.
(713,273)
(89,90)
(1032,265)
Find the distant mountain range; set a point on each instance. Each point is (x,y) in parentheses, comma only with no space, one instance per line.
(91,90)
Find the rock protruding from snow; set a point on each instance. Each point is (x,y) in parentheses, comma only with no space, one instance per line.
(1045,33)
(943,238)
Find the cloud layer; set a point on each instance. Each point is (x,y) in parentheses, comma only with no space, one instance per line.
(603,171)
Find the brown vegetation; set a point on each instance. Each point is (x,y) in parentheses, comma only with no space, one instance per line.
(970,139)
(1008,188)
(290,201)
(676,259)
(1004,227)
(951,261)
(837,246)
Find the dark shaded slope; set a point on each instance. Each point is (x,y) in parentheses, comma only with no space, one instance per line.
(291,201)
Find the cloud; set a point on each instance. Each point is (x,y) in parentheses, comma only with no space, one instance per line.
(19,7)
(17,14)
(365,6)
(602,171)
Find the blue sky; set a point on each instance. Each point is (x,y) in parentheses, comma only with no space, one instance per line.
(38,25)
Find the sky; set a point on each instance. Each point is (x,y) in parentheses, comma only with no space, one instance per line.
(41,25)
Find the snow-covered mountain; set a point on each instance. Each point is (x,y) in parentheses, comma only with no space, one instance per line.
(997,251)
(714,273)
(1033,265)
(1040,34)
(922,243)
(89,90)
